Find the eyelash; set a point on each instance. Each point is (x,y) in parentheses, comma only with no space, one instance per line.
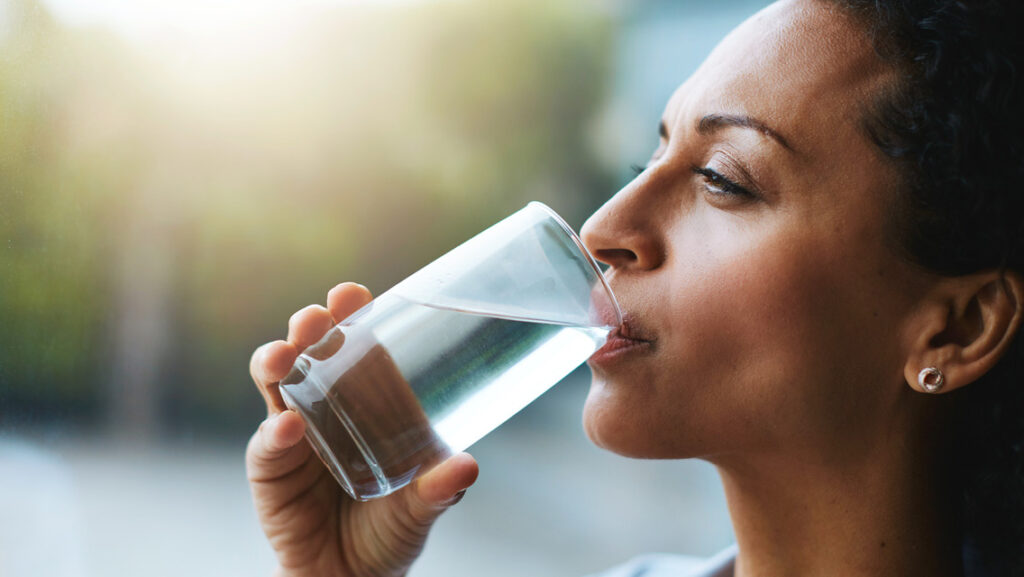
(712,178)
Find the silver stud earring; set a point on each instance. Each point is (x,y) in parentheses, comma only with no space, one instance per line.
(931,379)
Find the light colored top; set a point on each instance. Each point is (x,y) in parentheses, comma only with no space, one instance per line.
(662,565)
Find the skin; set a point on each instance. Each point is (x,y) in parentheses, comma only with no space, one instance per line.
(766,288)
(772,329)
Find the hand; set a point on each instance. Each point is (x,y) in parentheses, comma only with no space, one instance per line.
(314,527)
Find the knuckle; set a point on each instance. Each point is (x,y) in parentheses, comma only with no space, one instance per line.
(338,289)
(310,313)
(256,362)
(421,514)
(252,448)
(313,310)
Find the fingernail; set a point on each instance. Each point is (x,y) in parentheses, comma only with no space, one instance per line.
(458,497)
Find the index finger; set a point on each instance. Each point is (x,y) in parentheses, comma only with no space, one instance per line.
(268,365)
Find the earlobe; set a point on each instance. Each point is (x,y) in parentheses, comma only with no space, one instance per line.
(965,329)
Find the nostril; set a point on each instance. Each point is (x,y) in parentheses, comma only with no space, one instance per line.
(616,257)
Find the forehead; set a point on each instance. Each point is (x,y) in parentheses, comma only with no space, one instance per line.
(804,67)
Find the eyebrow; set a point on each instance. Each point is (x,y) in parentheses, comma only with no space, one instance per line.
(714,122)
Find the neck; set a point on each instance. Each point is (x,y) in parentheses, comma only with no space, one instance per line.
(877,511)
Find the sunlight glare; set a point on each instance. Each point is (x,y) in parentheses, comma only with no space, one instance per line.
(163,20)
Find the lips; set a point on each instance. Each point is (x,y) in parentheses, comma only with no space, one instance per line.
(625,340)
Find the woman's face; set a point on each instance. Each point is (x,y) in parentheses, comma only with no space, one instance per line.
(763,300)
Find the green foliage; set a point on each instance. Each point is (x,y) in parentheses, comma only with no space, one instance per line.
(48,274)
(163,212)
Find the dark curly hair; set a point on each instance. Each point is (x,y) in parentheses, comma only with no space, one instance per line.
(954,122)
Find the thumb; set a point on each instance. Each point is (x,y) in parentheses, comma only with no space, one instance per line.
(275,449)
(442,487)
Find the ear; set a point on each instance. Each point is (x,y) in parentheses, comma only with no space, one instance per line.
(964,327)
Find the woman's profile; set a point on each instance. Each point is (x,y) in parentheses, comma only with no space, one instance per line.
(822,273)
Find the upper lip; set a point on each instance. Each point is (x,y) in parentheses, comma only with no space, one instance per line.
(630,331)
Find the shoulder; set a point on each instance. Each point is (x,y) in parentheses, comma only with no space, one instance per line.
(664,565)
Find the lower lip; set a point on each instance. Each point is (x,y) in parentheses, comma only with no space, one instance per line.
(616,349)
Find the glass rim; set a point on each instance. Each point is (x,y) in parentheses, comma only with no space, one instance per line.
(583,249)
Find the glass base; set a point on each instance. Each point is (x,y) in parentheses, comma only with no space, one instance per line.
(359,474)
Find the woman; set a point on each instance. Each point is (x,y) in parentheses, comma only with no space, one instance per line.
(821,270)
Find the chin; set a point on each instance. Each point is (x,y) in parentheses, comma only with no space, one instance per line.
(623,424)
(613,427)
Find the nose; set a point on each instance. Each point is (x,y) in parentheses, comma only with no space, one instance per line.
(623,233)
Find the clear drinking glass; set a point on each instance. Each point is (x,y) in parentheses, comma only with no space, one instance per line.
(444,357)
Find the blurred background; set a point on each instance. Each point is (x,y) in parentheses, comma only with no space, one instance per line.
(177,178)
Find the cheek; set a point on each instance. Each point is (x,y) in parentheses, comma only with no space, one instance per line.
(769,346)
(718,310)
(785,338)
(737,304)
(761,342)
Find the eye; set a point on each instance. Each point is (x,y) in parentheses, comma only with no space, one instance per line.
(719,185)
